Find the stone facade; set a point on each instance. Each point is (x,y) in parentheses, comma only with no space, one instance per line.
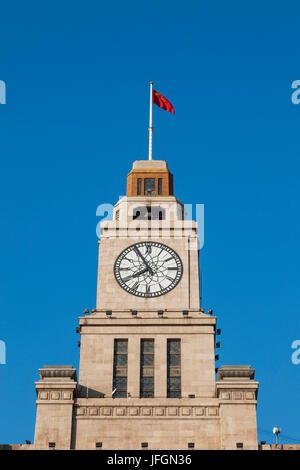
(207,413)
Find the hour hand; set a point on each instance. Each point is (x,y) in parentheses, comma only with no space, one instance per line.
(132,276)
(140,273)
(144,261)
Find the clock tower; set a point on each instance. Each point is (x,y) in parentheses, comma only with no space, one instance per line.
(147,376)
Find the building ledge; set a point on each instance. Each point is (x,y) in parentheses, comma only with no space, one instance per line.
(57,374)
(235,373)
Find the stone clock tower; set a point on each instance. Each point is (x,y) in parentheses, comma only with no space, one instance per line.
(147,352)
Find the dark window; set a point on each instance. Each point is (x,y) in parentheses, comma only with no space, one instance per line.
(139,186)
(173,368)
(147,368)
(149,186)
(120,368)
(159,189)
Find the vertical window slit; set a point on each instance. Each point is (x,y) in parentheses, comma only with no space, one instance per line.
(120,368)
(173,368)
(147,369)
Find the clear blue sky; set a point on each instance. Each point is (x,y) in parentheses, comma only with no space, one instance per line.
(76,118)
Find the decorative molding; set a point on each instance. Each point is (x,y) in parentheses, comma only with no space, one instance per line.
(185,411)
(199,411)
(120,411)
(133,411)
(147,411)
(236,395)
(235,373)
(225,395)
(55,395)
(57,372)
(106,411)
(93,411)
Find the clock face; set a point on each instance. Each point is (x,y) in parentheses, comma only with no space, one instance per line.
(148,269)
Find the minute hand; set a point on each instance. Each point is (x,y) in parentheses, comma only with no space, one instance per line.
(145,262)
(139,273)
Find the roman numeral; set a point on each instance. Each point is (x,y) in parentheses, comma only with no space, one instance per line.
(135,286)
(172,268)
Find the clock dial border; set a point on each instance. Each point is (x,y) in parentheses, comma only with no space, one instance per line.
(150,295)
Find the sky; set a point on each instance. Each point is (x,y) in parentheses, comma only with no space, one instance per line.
(76,117)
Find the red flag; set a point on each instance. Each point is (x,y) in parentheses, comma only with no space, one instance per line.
(162,102)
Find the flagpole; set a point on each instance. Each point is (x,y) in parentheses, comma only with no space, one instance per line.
(150,124)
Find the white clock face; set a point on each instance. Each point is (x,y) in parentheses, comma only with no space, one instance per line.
(148,269)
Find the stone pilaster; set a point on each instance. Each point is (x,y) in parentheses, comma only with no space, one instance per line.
(133,369)
(160,376)
(55,399)
(237,394)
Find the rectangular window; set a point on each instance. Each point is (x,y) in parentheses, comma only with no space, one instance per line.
(149,187)
(120,368)
(147,368)
(139,186)
(173,368)
(159,189)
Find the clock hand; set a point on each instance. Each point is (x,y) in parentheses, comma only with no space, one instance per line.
(128,278)
(145,262)
(139,273)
